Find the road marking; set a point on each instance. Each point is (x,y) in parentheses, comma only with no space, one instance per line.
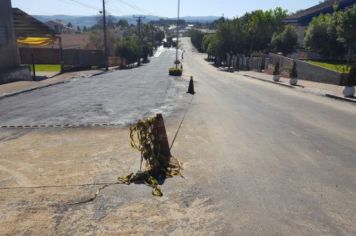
(63,126)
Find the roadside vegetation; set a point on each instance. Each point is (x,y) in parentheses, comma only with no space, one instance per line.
(340,67)
(130,42)
(258,31)
(47,68)
(333,36)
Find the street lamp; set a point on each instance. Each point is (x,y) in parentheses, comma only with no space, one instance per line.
(176,62)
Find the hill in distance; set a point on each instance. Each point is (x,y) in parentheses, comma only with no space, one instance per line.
(89,21)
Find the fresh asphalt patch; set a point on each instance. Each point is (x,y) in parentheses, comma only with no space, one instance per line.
(116,99)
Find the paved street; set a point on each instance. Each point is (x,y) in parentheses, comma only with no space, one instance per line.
(119,97)
(259,159)
(276,161)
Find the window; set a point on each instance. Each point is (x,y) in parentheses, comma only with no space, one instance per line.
(3,35)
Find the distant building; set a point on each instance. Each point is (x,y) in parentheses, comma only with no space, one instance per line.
(60,27)
(302,18)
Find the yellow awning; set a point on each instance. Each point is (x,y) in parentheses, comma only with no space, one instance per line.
(36,41)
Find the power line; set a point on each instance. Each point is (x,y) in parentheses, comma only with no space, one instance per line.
(95,8)
(135,7)
(115,5)
(112,8)
(85,5)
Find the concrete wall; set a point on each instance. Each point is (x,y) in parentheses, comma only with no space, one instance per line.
(8,47)
(18,74)
(306,71)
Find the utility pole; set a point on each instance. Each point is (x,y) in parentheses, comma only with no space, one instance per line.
(177,35)
(106,52)
(139,21)
(153,37)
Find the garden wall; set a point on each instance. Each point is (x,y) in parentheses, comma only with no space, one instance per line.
(305,71)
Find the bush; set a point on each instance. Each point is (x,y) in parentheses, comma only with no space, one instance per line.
(293,73)
(351,78)
(175,71)
(276,69)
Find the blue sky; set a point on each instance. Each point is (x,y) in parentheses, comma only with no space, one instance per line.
(229,8)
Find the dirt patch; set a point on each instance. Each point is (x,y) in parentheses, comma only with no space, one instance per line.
(43,171)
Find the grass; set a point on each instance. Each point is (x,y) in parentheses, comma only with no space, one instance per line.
(334,66)
(47,68)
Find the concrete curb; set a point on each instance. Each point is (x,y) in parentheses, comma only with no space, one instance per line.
(340,98)
(290,86)
(272,82)
(45,86)
(31,89)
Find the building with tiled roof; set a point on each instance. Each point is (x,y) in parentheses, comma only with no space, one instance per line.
(302,18)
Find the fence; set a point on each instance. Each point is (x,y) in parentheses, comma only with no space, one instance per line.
(71,57)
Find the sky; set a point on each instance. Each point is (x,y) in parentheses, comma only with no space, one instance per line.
(164,8)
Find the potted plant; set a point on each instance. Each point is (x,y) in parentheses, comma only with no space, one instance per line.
(175,71)
(293,75)
(276,73)
(349,89)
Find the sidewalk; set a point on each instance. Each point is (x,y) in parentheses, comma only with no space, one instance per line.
(14,88)
(328,90)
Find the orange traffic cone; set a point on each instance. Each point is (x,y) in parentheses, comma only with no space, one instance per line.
(162,136)
(191,86)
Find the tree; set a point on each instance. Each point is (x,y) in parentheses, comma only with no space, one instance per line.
(286,41)
(206,41)
(243,35)
(261,25)
(130,49)
(346,30)
(197,38)
(78,29)
(213,49)
(123,23)
(159,35)
(70,25)
(321,36)
(96,40)
(110,22)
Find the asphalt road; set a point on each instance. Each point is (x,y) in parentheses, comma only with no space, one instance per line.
(259,159)
(274,161)
(119,97)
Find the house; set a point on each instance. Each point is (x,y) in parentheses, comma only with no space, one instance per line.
(302,18)
(10,69)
